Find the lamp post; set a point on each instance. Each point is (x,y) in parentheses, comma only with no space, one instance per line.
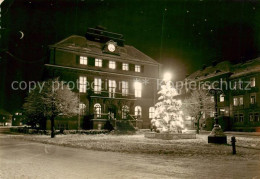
(216,136)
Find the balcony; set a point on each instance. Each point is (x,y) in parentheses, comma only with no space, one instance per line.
(109,95)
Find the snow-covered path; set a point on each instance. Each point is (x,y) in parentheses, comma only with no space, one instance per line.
(24,159)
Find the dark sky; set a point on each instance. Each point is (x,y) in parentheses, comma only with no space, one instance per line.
(182,35)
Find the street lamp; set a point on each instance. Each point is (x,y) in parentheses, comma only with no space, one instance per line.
(216,136)
(167,76)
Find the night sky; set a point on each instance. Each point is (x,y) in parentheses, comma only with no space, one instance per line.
(182,35)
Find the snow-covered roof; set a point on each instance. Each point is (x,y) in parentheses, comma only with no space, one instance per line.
(80,43)
(225,67)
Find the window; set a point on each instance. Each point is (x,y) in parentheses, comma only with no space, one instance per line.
(252,82)
(256,117)
(138,89)
(235,118)
(235,101)
(138,111)
(151,112)
(83,60)
(137,68)
(241,117)
(82,108)
(253,98)
(82,84)
(125,111)
(251,117)
(98,62)
(222,111)
(97,110)
(124,88)
(97,85)
(125,66)
(221,98)
(212,99)
(211,114)
(112,88)
(241,101)
(112,64)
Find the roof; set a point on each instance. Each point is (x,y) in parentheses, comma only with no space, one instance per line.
(211,71)
(4,112)
(251,66)
(84,45)
(225,67)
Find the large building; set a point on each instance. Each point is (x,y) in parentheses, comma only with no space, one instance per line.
(239,104)
(114,80)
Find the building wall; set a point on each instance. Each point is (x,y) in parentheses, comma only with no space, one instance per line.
(65,65)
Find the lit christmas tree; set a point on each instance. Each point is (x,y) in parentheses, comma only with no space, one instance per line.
(168,116)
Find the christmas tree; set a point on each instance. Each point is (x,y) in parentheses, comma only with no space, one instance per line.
(168,116)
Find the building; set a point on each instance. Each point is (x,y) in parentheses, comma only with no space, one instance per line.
(114,81)
(238,106)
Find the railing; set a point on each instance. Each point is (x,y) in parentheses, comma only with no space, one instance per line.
(108,94)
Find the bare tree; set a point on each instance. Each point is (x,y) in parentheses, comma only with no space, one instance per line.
(196,104)
(54,99)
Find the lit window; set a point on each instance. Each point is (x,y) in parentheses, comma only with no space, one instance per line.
(222,98)
(137,68)
(82,84)
(82,108)
(151,112)
(222,111)
(138,111)
(138,89)
(98,62)
(241,100)
(112,88)
(252,82)
(125,111)
(124,88)
(112,64)
(97,85)
(97,110)
(252,98)
(125,66)
(83,60)
(235,101)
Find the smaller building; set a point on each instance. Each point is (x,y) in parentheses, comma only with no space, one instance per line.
(5,118)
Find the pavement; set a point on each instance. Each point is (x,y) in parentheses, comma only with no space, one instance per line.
(25,159)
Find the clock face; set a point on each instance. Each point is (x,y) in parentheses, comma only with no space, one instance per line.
(111,47)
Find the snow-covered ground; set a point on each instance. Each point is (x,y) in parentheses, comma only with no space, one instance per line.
(250,146)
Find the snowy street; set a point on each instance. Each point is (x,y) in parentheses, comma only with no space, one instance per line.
(25,159)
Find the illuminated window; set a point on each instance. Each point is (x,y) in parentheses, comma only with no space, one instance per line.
(241,117)
(241,100)
(222,98)
(138,111)
(252,82)
(125,66)
(235,101)
(222,111)
(82,84)
(138,89)
(82,108)
(151,112)
(112,88)
(83,60)
(124,88)
(97,85)
(137,68)
(253,98)
(112,64)
(98,62)
(97,110)
(125,111)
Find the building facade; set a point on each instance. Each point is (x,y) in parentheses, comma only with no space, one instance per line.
(238,106)
(114,81)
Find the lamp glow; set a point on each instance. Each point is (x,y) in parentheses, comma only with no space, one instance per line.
(167,76)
